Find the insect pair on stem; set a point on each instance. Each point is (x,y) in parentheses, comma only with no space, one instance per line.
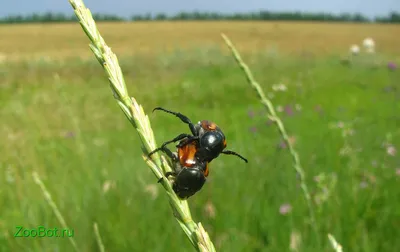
(194,153)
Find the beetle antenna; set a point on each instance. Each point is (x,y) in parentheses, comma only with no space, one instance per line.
(228,152)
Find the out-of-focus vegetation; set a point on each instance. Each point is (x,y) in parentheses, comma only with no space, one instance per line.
(59,118)
(393,17)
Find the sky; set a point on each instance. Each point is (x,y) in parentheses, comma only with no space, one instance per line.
(126,8)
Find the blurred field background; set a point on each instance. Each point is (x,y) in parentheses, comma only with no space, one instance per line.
(59,118)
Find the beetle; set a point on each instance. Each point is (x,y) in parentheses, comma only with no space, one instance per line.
(210,138)
(190,173)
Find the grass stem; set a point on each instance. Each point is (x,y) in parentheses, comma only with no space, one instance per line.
(53,206)
(136,115)
(98,238)
(336,246)
(274,117)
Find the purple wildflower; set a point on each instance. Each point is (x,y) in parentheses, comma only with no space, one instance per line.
(69,134)
(318,108)
(285,209)
(289,110)
(282,145)
(391,66)
(250,113)
(388,89)
(253,129)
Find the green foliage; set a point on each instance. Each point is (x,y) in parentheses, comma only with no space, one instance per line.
(393,17)
(60,119)
(50,17)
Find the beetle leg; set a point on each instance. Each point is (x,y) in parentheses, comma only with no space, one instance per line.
(167,174)
(180,137)
(183,118)
(174,159)
(228,152)
(187,141)
(169,154)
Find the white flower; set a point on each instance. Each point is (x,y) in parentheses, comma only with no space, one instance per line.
(391,150)
(345,150)
(282,87)
(279,108)
(107,185)
(279,87)
(368,42)
(369,45)
(355,49)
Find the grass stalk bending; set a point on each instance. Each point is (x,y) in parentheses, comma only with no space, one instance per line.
(274,117)
(138,118)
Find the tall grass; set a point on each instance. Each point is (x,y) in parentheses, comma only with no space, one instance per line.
(59,119)
(272,115)
(135,114)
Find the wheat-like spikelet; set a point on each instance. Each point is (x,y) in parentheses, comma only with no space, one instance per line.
(275,118)
(138,118)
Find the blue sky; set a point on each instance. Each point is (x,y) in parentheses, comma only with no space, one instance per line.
(126,8)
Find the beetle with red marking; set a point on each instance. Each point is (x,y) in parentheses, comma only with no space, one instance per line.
(211,140)
(188,171)
(194,153)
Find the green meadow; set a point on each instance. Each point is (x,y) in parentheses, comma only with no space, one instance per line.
(59,119)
